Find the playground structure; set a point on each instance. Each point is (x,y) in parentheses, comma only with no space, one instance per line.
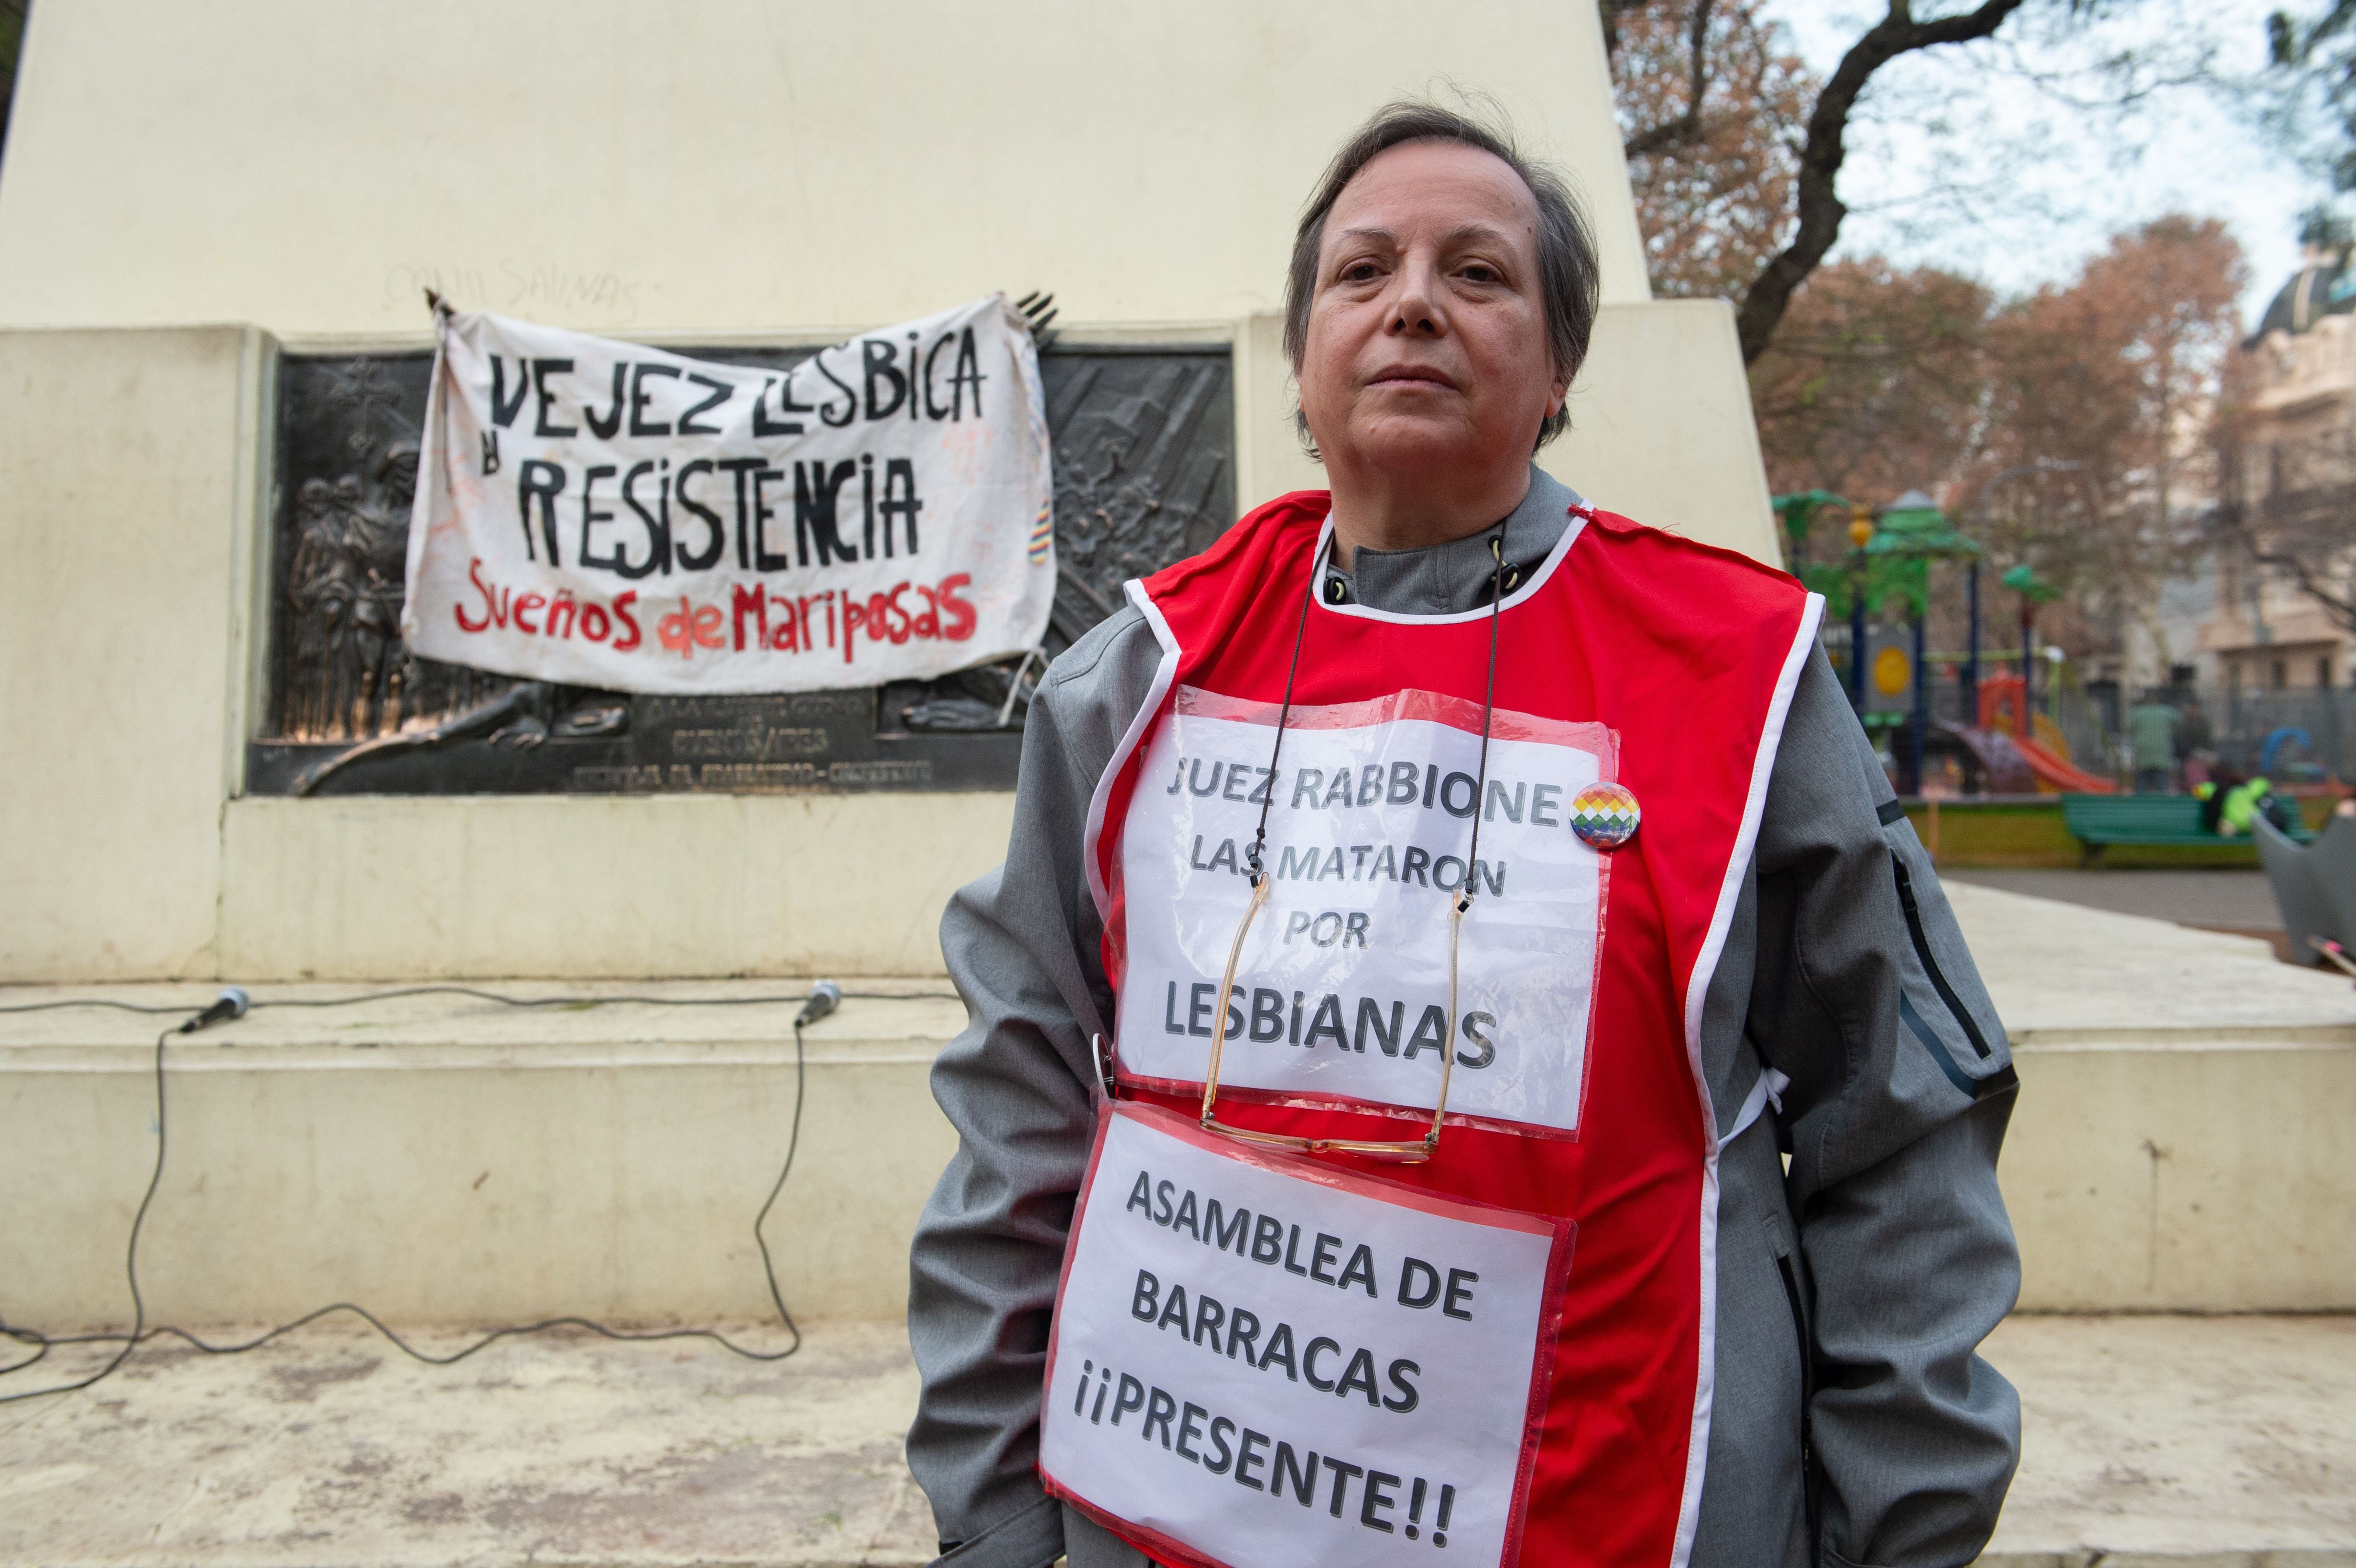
(2018,748)
(2017,733)
(2042,750)
(2301,742)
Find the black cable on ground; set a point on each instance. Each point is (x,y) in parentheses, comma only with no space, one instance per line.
(140,1332)
(130,1269)
(494,997)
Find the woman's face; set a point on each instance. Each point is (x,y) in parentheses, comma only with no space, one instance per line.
(1427,344)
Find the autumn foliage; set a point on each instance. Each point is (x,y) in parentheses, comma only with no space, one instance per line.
(1877,381)
(1716,173)
(1882,378)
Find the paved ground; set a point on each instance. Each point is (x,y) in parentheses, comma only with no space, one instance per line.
(2181,1440)
(2061,974)
(2221,1442)
(2224,898)
(2227,897)
(331,1450)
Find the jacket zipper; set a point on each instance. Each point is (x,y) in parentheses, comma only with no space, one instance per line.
(1789,1270)
(1930,966)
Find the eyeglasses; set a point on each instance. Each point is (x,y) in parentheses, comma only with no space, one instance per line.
(1411,1151)
(1414,1151)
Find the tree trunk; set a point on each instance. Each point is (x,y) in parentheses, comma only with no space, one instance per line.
(1820,160)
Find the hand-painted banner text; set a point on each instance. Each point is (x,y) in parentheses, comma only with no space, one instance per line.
(600,513)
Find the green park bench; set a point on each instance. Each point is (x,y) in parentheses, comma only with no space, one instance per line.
(2098,821)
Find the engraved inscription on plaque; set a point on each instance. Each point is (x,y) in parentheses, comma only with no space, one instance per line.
(1144,475)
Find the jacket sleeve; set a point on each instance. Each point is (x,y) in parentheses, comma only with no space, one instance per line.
(1901,1085)
(1021,945)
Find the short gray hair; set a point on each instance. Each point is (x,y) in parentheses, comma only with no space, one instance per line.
(1569,272)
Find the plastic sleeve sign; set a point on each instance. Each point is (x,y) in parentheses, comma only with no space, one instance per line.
(1262,1359)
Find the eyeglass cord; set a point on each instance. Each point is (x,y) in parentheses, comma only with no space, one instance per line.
(1284,714)
(1488,710)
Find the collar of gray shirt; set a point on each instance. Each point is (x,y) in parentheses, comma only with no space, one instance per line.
(1447,579)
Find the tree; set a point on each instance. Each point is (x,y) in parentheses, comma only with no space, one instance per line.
(1877,381)
(1882,379)
(12,40)
(2315,67)
(1662,119)
(2119,371)
(1710,106)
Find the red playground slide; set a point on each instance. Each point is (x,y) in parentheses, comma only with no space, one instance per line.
(2064,775)
(2002,699)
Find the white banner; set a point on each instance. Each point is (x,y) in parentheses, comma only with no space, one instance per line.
(1262,1360)
(1342,988)
(605,515)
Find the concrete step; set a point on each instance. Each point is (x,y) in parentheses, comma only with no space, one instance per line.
(2184,1100)
(2188,1442)
(445,1159)
(2176,1144)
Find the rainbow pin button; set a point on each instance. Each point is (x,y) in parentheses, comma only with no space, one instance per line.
(1605,816)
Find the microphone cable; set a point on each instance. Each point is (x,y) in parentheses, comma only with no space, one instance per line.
(823,999)
(574,1002)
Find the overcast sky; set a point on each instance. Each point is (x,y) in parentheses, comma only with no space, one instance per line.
(1967,162)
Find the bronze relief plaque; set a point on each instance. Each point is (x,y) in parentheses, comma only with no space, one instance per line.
(1144,475)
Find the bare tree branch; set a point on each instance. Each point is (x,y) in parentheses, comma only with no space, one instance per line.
(1820,208)
(2338,607)
(2299,531)
(1685,127)
(1612,10)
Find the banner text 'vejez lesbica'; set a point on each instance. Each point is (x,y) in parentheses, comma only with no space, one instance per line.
(616,515)
(799,624)
(884,388)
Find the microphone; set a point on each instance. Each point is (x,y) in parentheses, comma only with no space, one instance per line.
(824,997)
(232,1005)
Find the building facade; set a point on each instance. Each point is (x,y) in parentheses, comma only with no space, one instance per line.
(2291,487)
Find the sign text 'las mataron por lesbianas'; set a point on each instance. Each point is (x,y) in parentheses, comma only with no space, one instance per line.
(599,514)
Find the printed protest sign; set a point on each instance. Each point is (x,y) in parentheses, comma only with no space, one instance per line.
(1261,1359)
(1341,987)
(605,515)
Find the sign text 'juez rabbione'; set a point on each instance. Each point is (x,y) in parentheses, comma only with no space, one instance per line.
(600,513)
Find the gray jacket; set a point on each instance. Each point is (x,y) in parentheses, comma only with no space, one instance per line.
(1863,1249)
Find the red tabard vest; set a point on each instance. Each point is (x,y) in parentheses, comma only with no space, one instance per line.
(1687,655)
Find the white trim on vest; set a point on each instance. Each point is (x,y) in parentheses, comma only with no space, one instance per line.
(1766,1090)
(1164,674)
(1579,520)
(1713,947)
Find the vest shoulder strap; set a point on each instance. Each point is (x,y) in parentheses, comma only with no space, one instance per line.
(1670,560)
